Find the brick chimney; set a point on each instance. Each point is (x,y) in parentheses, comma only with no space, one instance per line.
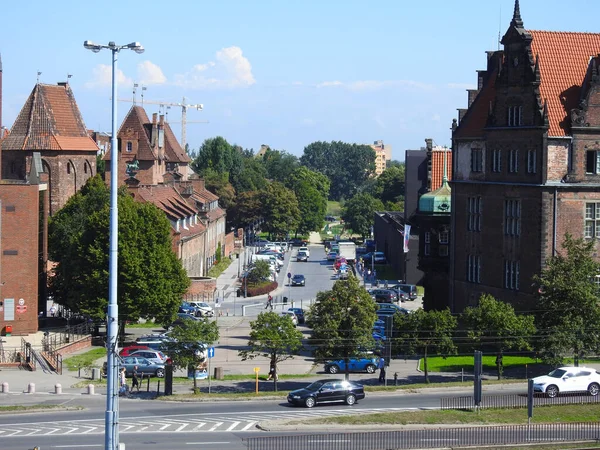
(161,137)
(154,136)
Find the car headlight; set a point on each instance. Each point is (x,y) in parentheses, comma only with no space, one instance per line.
(297,397)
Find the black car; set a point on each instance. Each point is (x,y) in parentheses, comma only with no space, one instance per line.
(298,280)
(327,391)
(299,314)
(297,242)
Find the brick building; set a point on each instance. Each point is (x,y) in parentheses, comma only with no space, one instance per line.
(526,162)
(50,124)
(156,170)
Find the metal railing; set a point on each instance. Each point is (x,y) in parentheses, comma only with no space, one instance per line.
(516,401)
(26,356)
(52,343)
(431,438)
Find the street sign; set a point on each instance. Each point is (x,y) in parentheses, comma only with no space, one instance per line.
(256,369)
(289,274)
(211,352)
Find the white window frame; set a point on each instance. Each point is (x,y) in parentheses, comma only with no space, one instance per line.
(515,114)
(444,237)
(591,225)
(497,161)
(511,274)
(427,237)
(474,268)
(476,160)
(475,205)
(513,161)
(129,146)
(427,250)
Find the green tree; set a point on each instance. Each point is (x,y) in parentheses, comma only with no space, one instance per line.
(151,280)
(218,184)
(189,344)
(494,323)
(261,271)
(247,209)
(348,166)
(341,320)
(216,154)
(100,164)
(279,164)
(358,213)
(252,175)
(280,209)
(272,336)
(391,184)
(422,332)
(568,312)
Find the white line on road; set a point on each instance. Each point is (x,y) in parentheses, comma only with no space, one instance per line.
(78,446)
(329,440)
(215,426)
(181,428)
(206,443)
(200,425)
(232,426)
(164,426)
(250,425)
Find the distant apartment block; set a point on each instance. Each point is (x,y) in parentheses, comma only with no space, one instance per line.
(383,154)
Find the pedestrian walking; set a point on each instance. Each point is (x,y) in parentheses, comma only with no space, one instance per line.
(122,382)
(135,382)
(269,302)
(272,372)
(381,367)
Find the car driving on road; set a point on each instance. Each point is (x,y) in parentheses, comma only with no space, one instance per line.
(327,391)
(568,379)
(298,280)
(302,256)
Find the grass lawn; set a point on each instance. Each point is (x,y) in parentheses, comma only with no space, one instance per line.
(546,414)
(147,324)
(334,208)
(19,408)
(86,359)
(218,269)
(456,363)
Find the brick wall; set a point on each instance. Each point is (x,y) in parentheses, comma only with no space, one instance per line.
(229,243)
(76,346)
(19,218)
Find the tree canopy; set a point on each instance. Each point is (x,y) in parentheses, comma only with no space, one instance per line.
(495,324)
(341,321)
(422,332)
(568,308)
(311,189)
(151,280)
(272,336)
(279,165)
(347,166)
(358,213)
(279,209)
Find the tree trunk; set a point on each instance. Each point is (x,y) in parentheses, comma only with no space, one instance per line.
(499,365)
(347,368)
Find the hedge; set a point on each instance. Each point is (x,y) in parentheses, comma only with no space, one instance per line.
(261,289)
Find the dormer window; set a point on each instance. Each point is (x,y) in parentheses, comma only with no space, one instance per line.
(129,147)
(514,116)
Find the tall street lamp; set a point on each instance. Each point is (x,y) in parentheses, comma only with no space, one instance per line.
(111,432)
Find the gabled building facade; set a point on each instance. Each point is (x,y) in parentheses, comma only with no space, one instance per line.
(526,163)
(50,124)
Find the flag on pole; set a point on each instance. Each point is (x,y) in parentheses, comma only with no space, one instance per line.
(406,237)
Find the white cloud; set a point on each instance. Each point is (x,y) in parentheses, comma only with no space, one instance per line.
(231,69)
(102,76)
(461,86)
(371,85)
(149,73)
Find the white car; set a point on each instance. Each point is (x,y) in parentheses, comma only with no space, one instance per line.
(568,379)
(304,249)
(204,308)
(292,316)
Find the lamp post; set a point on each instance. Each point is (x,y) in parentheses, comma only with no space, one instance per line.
(111,418)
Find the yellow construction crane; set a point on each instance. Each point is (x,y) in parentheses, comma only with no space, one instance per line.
(184,107)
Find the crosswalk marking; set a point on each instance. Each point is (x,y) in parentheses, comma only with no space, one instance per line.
(215,426)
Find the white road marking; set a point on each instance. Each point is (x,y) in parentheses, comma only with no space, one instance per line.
(79,446)
(215,426)
(232,426)
(181,428)
(206,443)
(250,425)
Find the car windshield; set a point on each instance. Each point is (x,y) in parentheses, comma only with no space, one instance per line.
(314,386)
(557,373)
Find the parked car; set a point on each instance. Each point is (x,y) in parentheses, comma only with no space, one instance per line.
(384,295)
(331,256)
(389,309)
(202,309)
(182,318)
(302,256)
(368,365)
(186,308)
(298,280)
(378,257)
(327,391)
(339,262)
(155,342)
(291,315)
(379,327)
(126,351)
(299,314)
(409,289)
(568,379)
(154,356)
(329,218)
(145,367)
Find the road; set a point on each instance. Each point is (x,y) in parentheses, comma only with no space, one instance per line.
(171,425)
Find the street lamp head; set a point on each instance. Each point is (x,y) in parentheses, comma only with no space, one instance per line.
(136,47)
(91,46)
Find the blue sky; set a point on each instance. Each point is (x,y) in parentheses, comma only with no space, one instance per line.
(284,73)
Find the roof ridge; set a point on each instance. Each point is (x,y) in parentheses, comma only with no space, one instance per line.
(563,32)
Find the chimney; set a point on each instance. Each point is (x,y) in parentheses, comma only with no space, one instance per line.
(429,144)
(62,83)
(161,137)
(154,136)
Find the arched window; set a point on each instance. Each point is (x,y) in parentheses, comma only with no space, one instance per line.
(129,147)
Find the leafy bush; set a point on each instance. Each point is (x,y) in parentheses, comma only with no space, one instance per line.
(261,288)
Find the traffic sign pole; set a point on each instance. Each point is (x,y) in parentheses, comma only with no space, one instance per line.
(210,352)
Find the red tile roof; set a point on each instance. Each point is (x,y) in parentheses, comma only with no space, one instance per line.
(564,59)
(49,120)
(168,199)
(437,167)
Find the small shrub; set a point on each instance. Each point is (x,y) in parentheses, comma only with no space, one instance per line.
(260,289)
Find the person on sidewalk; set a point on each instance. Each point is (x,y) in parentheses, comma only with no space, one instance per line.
(272,372)
(269,302)
(381,367)
(135,382)
(123,382)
